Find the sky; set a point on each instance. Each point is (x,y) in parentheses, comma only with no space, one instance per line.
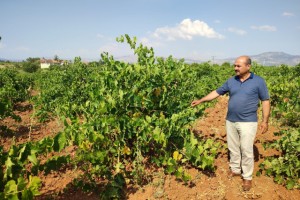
(190,29)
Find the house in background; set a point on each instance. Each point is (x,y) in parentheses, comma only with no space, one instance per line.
(46,63)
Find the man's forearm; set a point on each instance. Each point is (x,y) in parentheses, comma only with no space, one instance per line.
(266,110)
(210,96)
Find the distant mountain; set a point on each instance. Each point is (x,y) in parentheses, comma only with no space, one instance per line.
(265,59)
(2,60)
(10,60)
(269,59)
(276,58)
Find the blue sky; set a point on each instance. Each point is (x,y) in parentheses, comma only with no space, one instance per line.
(192,29)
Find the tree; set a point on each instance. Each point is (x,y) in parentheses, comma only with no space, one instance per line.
(32,60)
(56,58)
(31,65)
(226,64)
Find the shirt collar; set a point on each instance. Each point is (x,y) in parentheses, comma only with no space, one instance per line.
(251,76)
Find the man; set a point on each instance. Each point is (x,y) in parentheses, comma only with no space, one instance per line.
(245,90)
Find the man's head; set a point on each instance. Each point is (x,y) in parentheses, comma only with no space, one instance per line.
(242,65)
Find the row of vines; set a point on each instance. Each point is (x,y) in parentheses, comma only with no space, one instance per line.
(123,118)
(284,85)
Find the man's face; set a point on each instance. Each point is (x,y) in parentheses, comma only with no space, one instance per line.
(241,67)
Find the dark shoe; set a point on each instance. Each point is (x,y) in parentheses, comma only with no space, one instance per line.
(247,184)
(231,174)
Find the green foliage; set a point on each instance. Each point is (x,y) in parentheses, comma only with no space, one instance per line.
(13,88)
(226,64)
(55,163)
(201,153)
(114,189)
(31,65)
(284,86)
(21,189)
(286,168)
(14,185)
(17,181)
(123,117)
(122,113)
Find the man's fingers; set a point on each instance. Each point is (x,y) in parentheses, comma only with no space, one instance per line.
(263,128)
(194,103)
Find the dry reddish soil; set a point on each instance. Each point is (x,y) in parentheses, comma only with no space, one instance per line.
(202,186)
(28,129)
(218,186)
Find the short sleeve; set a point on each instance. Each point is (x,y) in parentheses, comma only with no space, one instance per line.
(263,92)
(223,89)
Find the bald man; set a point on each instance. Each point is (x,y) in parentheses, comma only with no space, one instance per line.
(245,91)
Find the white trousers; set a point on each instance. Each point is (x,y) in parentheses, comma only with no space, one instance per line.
(240,140)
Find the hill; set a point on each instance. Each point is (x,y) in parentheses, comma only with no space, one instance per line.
(266,59)
(269,59)
(276,58)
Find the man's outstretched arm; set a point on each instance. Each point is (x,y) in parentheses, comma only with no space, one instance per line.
(209,97)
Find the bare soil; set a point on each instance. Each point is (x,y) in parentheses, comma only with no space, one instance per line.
(203,185)
(218,186)
(28,129)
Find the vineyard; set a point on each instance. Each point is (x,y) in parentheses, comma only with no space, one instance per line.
(110,126)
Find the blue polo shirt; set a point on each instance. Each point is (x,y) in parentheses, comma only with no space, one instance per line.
(244,97)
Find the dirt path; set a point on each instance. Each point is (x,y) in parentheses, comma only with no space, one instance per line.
(218,186)
(28,129)
(203,186)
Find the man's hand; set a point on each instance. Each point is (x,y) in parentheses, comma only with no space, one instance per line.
(264,127)
(208,97)
(195,103)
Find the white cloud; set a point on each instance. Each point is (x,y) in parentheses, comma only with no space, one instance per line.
(264,28)
(186,30)
(237,31)
(288,14)
(217,21)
